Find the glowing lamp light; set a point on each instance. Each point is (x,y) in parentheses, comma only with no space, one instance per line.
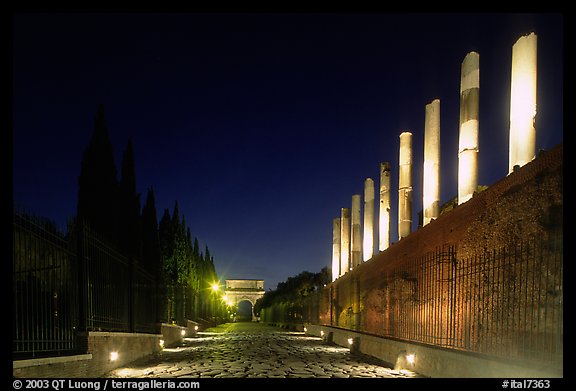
(183,332)
(215,287)
(113,356)
(225,298)
(195,328)
(410,359)
(350,341)
(321,333)
(305,329)
(161,343)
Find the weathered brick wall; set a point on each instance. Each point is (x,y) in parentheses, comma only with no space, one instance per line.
(376,296)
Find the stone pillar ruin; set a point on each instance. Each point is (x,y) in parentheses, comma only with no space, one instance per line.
(523,102)
(468,141)
(384,212)
(356,235)
(368,234)
(344,241)
(431,185)
(405,186)
(336,232)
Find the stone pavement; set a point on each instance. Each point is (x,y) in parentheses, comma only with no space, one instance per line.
(253,350)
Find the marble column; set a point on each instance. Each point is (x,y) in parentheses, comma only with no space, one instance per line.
(405,186)
(356,235)
(468,141)
(384,212)
(368,233)
(336,232)
(523,102)
(431,183)
(344,240)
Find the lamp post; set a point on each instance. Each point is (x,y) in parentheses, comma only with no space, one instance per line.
(215,288)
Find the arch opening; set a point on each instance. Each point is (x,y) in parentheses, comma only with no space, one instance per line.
(244,311)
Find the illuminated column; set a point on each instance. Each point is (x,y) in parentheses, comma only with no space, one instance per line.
(344,241)
(356,240)
(384,214)
(405,186)
(336,243)
(431,196)
(368,236)
(468,142)
(523,102)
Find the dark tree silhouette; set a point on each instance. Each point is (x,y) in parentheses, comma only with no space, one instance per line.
(97,184)
(166,235)
(130,232)
(150,238)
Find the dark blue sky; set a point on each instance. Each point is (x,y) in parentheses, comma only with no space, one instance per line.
(263,125)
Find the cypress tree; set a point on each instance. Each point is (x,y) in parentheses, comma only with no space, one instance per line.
(209,265)
(97,183)
(130,224)
(150,236)
(166,236)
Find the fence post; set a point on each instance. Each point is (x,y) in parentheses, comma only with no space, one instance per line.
(82,270)
(82,281)
(131,293)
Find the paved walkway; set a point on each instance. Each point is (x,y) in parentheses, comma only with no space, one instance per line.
(251,350)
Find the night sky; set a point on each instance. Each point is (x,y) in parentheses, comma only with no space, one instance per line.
(263,125)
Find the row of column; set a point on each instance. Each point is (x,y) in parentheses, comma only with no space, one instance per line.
(351,246)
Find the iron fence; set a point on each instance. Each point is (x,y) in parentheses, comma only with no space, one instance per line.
(66,284)
(506,302)
(44,287)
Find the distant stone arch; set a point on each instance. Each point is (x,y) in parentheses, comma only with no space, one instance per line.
(244,290)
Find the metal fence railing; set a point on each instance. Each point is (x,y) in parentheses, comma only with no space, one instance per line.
(45,306)
(66,284)
(507,302)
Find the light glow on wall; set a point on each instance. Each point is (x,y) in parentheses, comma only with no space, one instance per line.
(410,359)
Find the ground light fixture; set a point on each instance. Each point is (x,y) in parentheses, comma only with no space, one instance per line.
(405,360)
(113,356)
(410,358)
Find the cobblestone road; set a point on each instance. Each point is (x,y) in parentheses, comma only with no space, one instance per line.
(251,350)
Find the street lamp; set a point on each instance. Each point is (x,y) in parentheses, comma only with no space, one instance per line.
(215,288)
